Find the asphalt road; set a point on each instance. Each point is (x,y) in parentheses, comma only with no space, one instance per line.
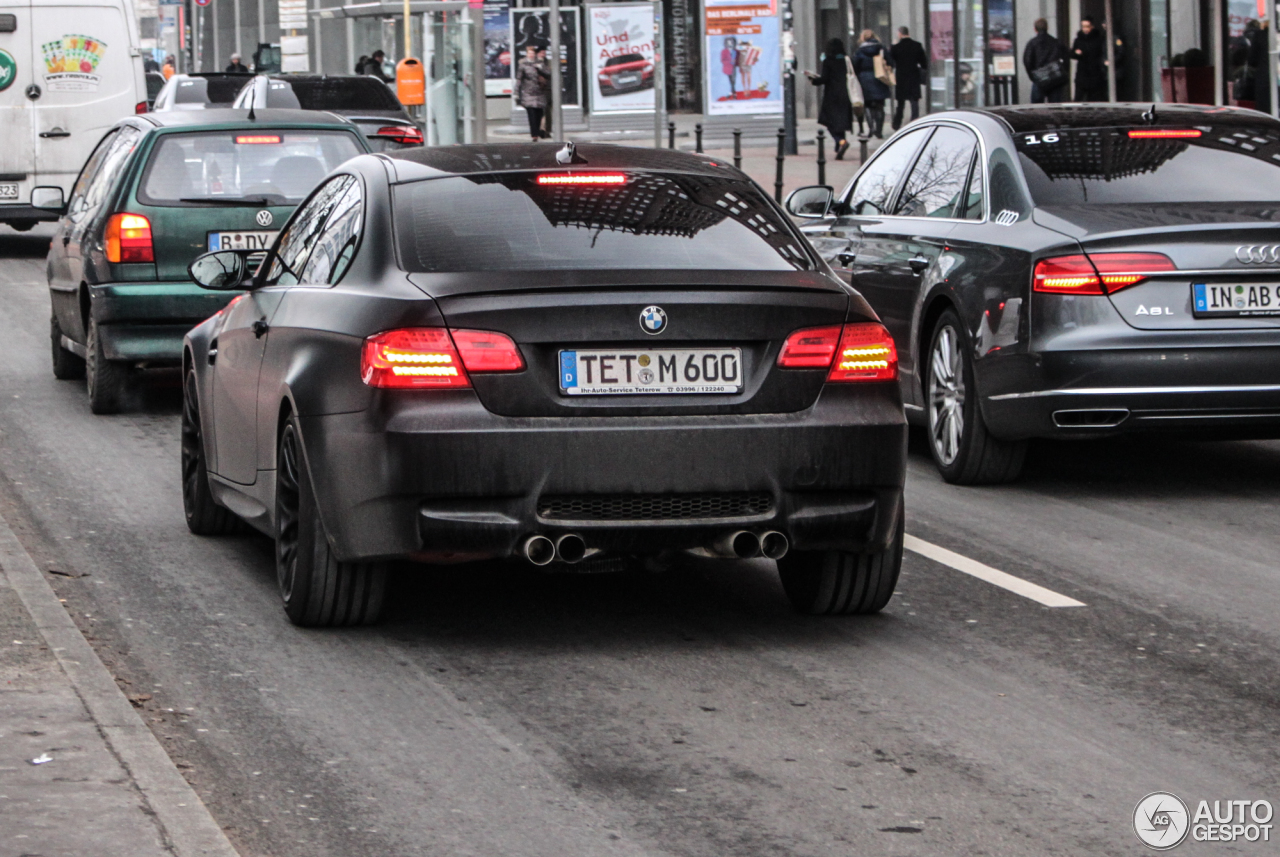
(500,711)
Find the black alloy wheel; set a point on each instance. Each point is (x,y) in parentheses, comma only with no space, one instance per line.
(204,516)
(316,588)
(962,448)
(105,379)
(837,583)
(66,365)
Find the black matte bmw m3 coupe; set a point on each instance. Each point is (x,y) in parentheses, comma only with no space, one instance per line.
(557,355)
(1069,271)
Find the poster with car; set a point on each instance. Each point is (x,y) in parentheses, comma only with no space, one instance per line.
(620,55)
(497,48)
(529,29)
(743,60)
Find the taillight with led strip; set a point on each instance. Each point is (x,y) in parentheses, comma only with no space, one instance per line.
(128,239)
(863,351)
(430,357)
(1097,273)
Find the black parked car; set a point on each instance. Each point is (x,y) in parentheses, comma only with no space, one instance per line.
(1069,271)
(365,100)
(566,356)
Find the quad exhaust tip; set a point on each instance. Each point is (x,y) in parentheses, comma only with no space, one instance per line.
(538,550)
(774,544)
(570,548)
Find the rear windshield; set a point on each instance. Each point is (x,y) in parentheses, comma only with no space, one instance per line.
(332,93)
(510,222)
(276,167)
(1123,165)
(199,90)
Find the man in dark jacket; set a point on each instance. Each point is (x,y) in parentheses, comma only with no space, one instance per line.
(1089,50)
(373,67)
(910,64)
(1045,54)
(1257,64)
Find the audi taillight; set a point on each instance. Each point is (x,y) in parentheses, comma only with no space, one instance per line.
(408,135)
(429,357)
(1097,273)
(128,239)
(854,352)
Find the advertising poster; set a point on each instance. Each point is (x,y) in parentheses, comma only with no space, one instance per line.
(529,27)
(743,57)
(71,63)
(620,68)
(497,48)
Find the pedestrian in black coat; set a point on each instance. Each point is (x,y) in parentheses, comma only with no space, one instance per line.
(1042,51)
(1089,50)
(874,90)
(836,113)
(910,65)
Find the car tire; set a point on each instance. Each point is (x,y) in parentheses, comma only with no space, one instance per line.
(105,379)
(963,449)
(836,583)
(204,516)
(317,589)
(66,365)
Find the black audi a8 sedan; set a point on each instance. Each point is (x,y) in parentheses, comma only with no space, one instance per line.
(557,355)
(1069,270)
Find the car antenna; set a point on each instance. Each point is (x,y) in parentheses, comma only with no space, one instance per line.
(1150,116)
(253,94)
(569,155)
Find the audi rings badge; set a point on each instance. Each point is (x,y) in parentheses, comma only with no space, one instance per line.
(1258,254)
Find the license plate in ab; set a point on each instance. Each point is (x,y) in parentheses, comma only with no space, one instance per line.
(1229,300)
(8,191)
(241,240)
(646,372)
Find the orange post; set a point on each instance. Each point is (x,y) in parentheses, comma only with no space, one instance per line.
(411,82)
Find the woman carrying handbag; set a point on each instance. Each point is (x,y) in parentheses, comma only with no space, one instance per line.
(836,113)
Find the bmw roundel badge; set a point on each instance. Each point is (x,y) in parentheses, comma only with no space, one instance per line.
(264,218)
(653,320)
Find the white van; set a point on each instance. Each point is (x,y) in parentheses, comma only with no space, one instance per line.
(69,70)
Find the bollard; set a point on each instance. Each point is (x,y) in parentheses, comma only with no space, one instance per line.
(822,157)
(862,150)
(697,130)
(782,159)
(737,148)
(671,135)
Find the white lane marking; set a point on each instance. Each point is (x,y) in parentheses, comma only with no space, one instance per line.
(994,576)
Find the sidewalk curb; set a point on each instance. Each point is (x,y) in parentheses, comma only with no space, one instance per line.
(187,826)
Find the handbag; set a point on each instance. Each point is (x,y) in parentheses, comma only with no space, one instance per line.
(855,85)
(1049,76)
(883,71)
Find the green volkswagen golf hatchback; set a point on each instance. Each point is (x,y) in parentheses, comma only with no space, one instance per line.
(159,190)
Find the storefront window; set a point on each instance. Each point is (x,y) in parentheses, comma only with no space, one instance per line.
(970,67)
(941,54)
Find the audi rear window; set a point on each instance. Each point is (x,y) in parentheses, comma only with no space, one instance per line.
(1151,164)
(257,163)
(343,93)
(512,222)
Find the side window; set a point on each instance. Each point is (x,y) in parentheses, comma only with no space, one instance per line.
(75,205)
(873,189)
(973,199)
(937,180)
(113,163)
(1009,203)
(336,246)
(300,237)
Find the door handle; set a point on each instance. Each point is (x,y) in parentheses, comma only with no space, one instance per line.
(56,132)
(260,328)
(213,351)
(918,263)
(845,258)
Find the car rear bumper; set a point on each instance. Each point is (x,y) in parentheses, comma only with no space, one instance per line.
(146,321)
(438,477)
(1227,390)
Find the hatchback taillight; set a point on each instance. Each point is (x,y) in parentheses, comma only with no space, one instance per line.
(854,352)
(418,357)
(1096,273)
(128,239)
(407,135)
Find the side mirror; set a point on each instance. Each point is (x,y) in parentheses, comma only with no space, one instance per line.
(48,199)
(813,202)
(221,270)
(867,208)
